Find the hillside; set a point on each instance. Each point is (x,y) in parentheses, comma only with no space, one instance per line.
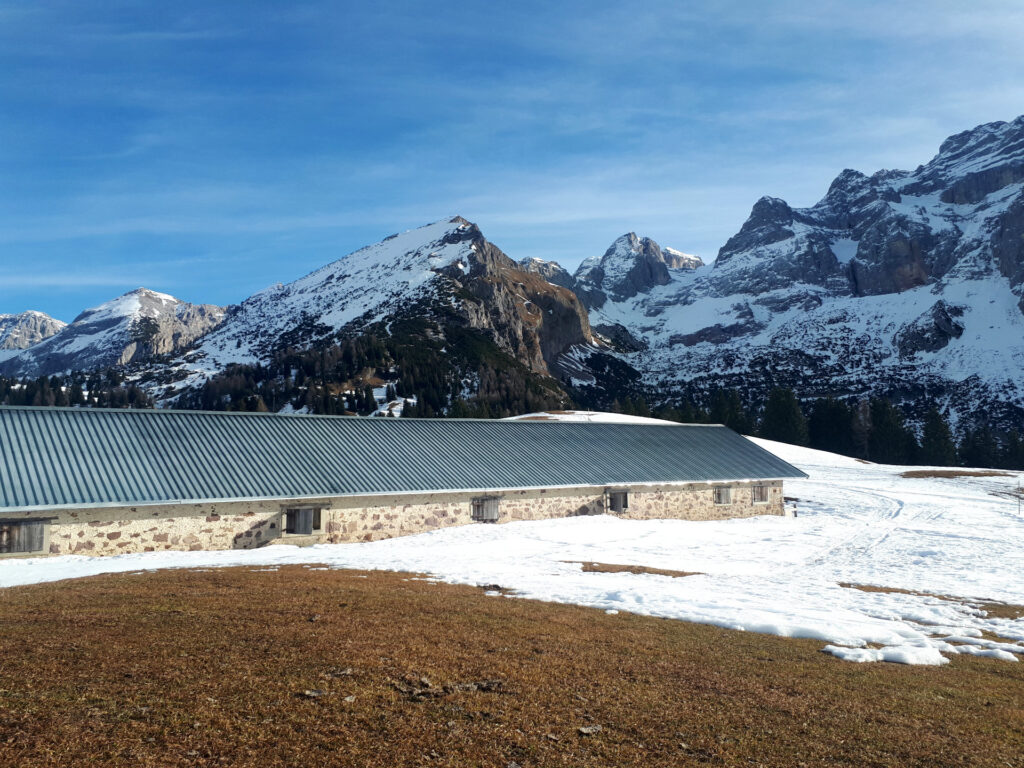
(267,668)
(438,311)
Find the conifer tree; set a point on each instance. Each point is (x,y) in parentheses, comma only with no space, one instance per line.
(978,447)
(937,446)
(862,429)
(830,426)
(890,442)
(783,420)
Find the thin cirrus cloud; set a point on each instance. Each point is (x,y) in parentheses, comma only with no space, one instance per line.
(261,140)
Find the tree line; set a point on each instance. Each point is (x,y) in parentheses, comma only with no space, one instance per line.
(458,373)
(98,390)
(873,429)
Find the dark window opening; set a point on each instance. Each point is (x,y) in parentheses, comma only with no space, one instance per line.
(618,501)
(17,537)
(302,521)
(759,494)
(723,495)
(485,510)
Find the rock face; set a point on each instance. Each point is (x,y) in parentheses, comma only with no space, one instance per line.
(550,271)
(23,330)
(630,266)
(908,284)
(132,328)
(446,272)
(679,260)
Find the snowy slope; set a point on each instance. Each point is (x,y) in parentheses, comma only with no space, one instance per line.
(364,286)
(445,268)
(131,327)
(902,283)
(956,539)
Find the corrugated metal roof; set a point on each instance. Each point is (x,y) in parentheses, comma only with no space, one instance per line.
(66,457)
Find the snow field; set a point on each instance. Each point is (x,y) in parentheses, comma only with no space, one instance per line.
(949,543)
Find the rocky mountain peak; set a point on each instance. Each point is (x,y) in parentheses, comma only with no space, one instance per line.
(551,271)
(907,284)
(22,330)
(770,221)
(631,265)
(446,274)
(678,260)
(134,326)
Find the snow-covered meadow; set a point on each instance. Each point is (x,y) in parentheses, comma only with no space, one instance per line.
(857,523)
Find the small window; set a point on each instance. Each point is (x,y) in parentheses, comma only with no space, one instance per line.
(618,501)
(723,495)
(22,536)
(759,494)
(485,510)
(302,521)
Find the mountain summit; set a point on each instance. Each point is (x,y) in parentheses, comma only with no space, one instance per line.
(131,328)
(432,282)
(26,328)
(908,284)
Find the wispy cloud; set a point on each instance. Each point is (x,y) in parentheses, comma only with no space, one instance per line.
(276,137)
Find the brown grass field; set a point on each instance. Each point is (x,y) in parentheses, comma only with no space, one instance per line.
(306,667)
(950,473)
(613,568)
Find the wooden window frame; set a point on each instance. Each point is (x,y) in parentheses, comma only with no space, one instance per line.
(725,490)
(755,490)
(44,546)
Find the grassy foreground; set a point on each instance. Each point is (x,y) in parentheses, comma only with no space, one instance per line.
(308,667)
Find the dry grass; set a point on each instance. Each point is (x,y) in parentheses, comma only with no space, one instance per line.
(613,568)
(933,473)
(1001,610)
(302,667)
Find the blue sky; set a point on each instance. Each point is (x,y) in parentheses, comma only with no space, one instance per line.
(209,149)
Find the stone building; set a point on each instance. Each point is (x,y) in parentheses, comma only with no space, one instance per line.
(98,482)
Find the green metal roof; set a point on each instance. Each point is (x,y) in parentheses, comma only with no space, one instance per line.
(77,457)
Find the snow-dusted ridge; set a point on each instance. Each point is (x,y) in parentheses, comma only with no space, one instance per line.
(24,329)
(904,283)
(131,327)
(957,539)
(445,265)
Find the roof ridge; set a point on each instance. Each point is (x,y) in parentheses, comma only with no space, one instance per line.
(266,414)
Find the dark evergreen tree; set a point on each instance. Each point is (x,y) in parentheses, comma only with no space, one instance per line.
(727,408)
(937,446)
(862,429)
(783,420)
(890,441)
(978,447)
(1012,454)
(830,426)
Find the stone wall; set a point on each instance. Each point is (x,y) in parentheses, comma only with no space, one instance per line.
(697,502)
(245,525)
(108,531)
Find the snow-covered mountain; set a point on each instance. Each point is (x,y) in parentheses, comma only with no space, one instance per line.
(129,329)
(445,272)
(904,283)
(23,330)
